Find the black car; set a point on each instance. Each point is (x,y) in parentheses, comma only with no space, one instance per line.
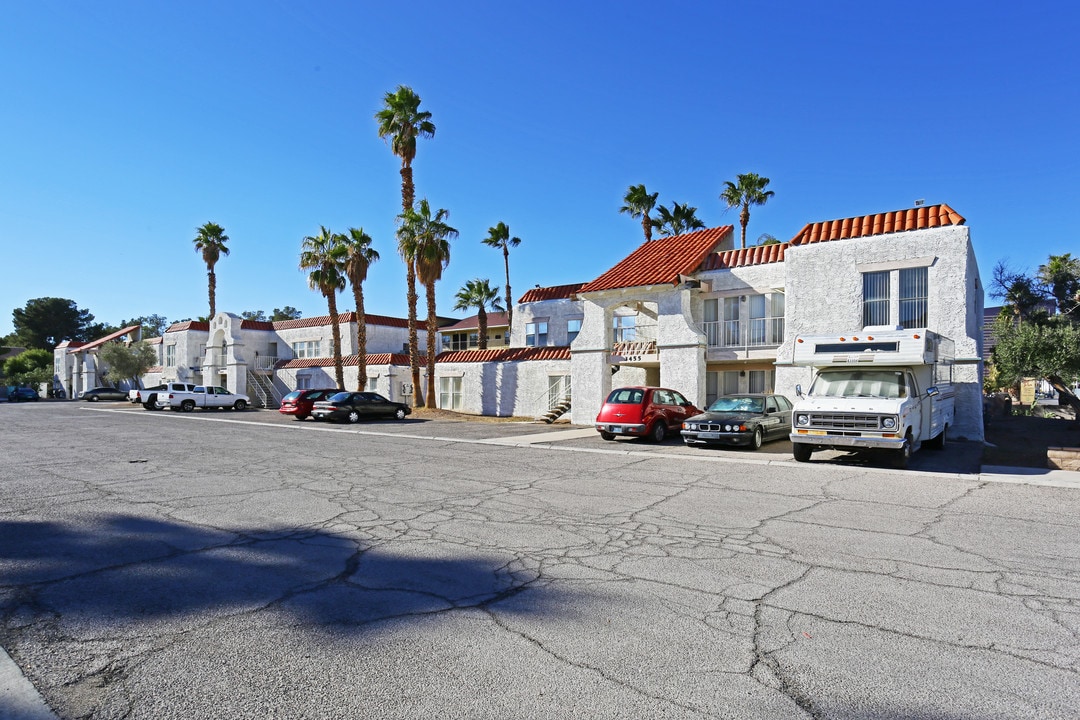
(104,393)
(22,394)
(357,406)
(740,420)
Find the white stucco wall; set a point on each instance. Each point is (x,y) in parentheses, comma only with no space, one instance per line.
(556,312)
(503,389)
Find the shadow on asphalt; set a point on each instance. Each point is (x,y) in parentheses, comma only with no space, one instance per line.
(121,569)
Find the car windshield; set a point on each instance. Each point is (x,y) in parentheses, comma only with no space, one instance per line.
(626,396)
(860,383)
(736,403)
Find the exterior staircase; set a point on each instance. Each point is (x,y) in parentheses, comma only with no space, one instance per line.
(262,390)
(556,411)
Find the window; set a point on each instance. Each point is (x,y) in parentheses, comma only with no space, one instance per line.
(876,298)
(536,333)
(450,393)
(306,349)
(913,292)
(372,384)
(170,356)
(731,382)
(625,327)
(758,380)
(730,335)
(573,327)
(303,382)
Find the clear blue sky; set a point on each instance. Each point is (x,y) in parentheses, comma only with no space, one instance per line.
(126,125)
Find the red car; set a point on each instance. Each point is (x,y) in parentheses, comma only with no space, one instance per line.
(298,403)
(649,412)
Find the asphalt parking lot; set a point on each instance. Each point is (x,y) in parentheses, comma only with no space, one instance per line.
(244,565)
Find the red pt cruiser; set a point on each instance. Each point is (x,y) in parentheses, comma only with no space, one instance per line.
(648,412)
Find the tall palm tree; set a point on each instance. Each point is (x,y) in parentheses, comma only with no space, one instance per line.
(499,237)
(324,257)
(750,190)
(430,237)
(639,204)
(361,256)
(401,121)
(210,241)
(676,221)
(479,294)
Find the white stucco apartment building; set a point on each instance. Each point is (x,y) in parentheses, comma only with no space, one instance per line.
(689,312)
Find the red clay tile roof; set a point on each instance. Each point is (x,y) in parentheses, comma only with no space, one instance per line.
(70,344)
(504,354)
(757,255)
(555,292)
(346,361)
(661,261)
(153,341)
(494,320)
(155,369)
(917,218)
(347,317)
(101,341)
(188,325)
(256,325)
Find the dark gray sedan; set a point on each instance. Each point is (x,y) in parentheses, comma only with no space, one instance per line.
(104,393)
(356,406)
(750,420)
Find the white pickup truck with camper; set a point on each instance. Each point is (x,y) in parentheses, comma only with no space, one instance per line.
(882,389)
(203,397)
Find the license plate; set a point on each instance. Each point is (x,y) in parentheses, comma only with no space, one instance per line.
(616,428)
(709,435)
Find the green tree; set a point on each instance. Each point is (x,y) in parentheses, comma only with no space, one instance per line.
(638,204)
(1022,295)
(1048,349)
(767,239)
(323,256)
(676,221)
(360,257)
(254,315)
(499,237)
(479,294)
(749,190)
(210,241)
(30,367)
(401,122)
(126,362)
(152,325)
(286,313)
(46,322)
(430,237)
(1061,278)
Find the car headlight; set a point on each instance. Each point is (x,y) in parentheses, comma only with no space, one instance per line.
(688,426)
(802,419)
(888,423)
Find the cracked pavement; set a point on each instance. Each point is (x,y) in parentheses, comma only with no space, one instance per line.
(161,565)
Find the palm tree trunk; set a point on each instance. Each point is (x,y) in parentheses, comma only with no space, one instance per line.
(335,328)
(509,307)
(212,287)
(744,220)
(481,320)
(361,339)
(414,340)
(408,191)
(646,225)
(431,326)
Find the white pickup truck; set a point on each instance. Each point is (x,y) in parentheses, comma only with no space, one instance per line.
(147,397)
(203,397)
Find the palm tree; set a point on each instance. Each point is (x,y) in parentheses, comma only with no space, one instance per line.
(639,204)
(210,241)
(479,294)
(499,237)
(401,121)
(750,190)
(676,221)
(1061,276)
(360,257)
(429,237)
(324,257)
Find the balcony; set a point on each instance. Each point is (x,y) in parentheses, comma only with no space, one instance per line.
(635,345)
(744,334)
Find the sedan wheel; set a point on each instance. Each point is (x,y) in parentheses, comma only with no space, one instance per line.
(94,398)
(354,417)
(400,413)
(755,442)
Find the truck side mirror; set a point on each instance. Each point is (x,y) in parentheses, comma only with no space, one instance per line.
(932,391)
(798,390)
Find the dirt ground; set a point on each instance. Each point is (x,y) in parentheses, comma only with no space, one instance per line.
(1021,440)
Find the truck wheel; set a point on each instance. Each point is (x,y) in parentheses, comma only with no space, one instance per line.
(240,405)
(187,405)
(938,443)
(657,432)
(903,455)
(756,441)
(801,451)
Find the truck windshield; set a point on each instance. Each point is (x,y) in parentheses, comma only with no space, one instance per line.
(860,383)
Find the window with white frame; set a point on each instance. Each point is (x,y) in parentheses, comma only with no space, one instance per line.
(624,327)
(913,296)
(573,327)
(306,349)
(450,393)
(170,356)
(876,298)
(372,384)
(303,382)
(757,381)
(536,333)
